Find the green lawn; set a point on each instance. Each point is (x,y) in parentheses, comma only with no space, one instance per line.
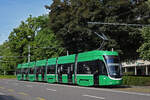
(7,76)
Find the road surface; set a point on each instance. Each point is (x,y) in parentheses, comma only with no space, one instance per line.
(11,89)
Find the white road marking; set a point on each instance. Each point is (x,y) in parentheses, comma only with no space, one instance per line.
(16,84)
(2,93)
(93,96)
(29,86)
(100,89)
(51,90)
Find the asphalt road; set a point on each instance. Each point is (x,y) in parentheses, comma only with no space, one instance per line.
(24,90)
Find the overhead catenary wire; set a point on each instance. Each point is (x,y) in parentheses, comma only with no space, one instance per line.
(120,24)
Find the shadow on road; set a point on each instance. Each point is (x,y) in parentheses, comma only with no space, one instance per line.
(6,97)
(113,87)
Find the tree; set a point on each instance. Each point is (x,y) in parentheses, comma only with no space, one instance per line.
(69,21)
(40,37)
(144,49)
(8,61)
(46,43)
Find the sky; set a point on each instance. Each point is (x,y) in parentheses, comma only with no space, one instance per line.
(12,12)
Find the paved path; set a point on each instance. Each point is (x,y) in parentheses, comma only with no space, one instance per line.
(24,90)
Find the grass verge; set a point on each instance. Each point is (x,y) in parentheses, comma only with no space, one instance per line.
(7,76)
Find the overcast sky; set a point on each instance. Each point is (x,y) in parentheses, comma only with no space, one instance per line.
(12,12)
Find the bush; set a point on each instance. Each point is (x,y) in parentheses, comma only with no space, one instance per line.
(136,80)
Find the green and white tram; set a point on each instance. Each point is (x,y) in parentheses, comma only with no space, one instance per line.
(86,69)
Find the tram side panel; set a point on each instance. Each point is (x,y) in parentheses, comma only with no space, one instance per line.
(19,75)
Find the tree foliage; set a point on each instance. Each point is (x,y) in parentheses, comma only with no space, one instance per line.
(69,21)
(36,33)
(42,40)
(144,49)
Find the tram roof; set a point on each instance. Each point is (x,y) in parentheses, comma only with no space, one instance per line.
(51,61)
(19,66)
(31,64)
(25,65)
(66,59)
(94,55)
(41,63)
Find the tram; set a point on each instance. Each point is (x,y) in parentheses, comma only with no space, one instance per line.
(90,68)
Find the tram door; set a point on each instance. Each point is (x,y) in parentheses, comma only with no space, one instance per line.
(27,74)
(37,73)
(43,72)
(65,69)
(96,76)
(96,71)
(59,71)
(22,74)
(70,72)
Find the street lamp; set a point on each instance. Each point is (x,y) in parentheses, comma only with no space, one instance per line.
(29,50)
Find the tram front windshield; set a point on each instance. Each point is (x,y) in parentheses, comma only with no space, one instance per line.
(114,67)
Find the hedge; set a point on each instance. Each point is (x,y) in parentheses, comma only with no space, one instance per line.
(136,80)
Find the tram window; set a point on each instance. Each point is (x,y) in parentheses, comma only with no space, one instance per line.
(60,69)
(48,70)
(83,68)
(23,71)
(27,70)
(66,68)
(51,69)
(88,67)
(71,67)
(42,69)
(38,70)
(31,71)
(18,71)
(69,70)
